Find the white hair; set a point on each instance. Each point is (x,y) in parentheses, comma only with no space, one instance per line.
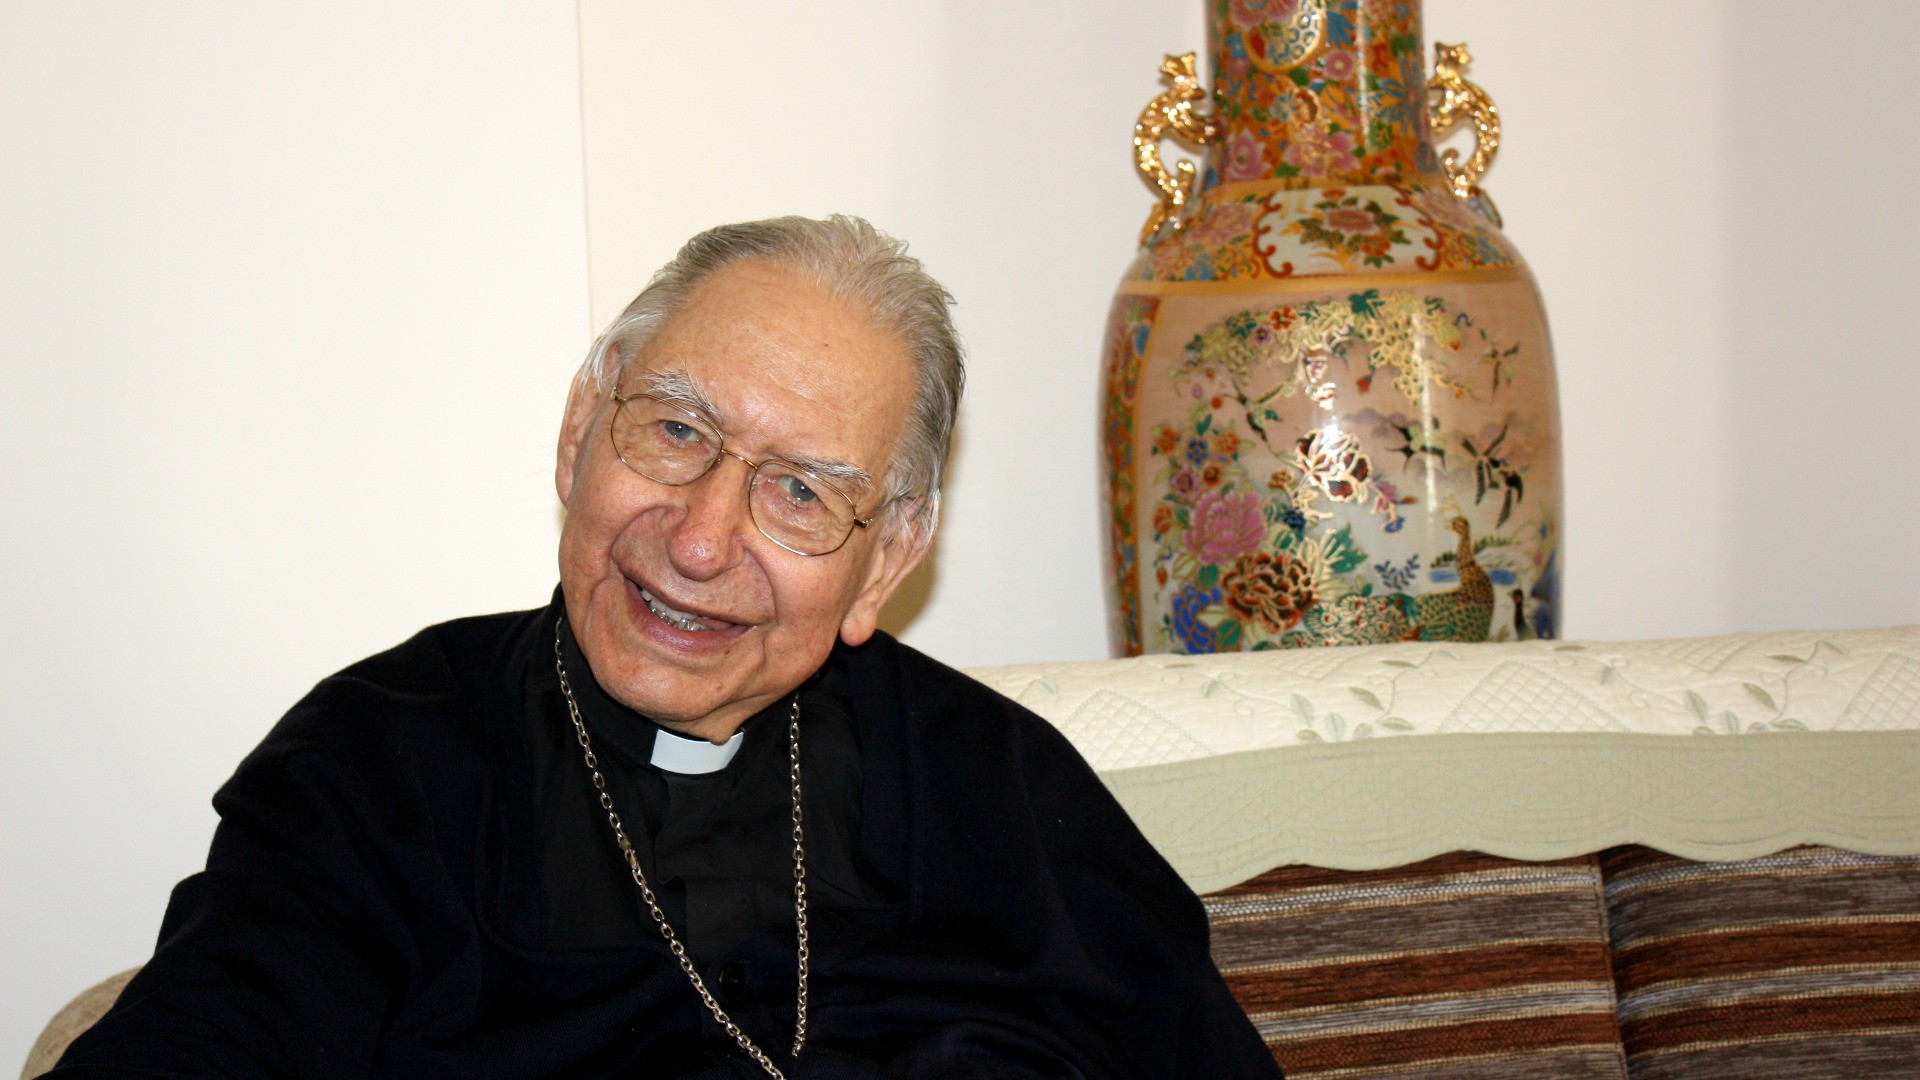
(857,264)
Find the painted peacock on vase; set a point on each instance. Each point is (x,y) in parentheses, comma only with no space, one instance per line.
(1463,613)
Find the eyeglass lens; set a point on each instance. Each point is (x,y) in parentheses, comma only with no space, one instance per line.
(792,507)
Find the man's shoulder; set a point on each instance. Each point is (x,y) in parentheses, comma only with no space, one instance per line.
(369,795)
(924,686)
(451,649)
(947,709)
(402,702)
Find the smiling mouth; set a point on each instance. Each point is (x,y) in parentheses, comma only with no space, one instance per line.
(680,620)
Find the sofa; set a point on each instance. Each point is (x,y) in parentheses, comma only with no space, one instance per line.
(1693,858)
(1690,858)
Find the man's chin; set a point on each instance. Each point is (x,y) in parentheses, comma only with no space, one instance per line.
(668,689)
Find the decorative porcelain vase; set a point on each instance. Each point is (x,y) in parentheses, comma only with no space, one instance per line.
(1329,404)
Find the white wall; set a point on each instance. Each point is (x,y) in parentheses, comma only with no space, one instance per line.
(288,298)
(1717,203)
(288,303)
(1822,149)
(996,138)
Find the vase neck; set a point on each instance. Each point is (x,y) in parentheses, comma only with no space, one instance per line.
(1316,93)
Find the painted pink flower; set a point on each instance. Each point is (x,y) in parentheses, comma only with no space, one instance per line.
(1185,482)
(1316,152)
(1246,158)
(1225,527)
(1350,220)
(1337,64)
(1224,222)
(1247,14)
(1171,256)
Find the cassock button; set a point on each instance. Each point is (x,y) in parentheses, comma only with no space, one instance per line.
(733,978)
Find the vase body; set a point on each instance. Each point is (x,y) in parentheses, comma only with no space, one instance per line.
(1329,407)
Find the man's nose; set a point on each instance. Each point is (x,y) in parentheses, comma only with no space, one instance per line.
(708,539)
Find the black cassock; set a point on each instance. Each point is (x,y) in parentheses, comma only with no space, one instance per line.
(410,879)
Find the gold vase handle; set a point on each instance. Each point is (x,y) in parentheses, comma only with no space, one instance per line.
(1171,113)
(1453,101)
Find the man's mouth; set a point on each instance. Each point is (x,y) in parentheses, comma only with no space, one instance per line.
(674,617)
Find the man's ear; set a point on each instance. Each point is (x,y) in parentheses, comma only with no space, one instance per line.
(583,402)
(889,564)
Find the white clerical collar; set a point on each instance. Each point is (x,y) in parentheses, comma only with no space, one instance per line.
(679,754)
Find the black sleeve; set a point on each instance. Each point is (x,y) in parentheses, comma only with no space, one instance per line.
(1060,908)
(1134,922)
(282,957)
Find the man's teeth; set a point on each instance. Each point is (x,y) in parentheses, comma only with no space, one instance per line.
(679,619)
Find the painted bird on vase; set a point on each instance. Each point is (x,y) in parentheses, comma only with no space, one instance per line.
(1462,613)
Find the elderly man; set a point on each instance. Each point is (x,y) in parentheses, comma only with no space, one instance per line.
(696,817)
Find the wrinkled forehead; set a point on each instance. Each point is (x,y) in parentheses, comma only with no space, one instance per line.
(785,367)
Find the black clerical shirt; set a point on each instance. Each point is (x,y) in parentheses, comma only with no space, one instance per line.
(716,847)
(411,878)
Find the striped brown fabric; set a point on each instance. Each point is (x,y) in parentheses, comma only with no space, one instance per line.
(1461,966)
(1797,965)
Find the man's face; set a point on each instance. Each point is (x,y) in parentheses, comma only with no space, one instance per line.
(792,374)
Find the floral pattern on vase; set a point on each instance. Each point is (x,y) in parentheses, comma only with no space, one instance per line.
(1339,412)
(1278,34)
(1263,538)
(1129,328)
(1407,227)
(1350,109)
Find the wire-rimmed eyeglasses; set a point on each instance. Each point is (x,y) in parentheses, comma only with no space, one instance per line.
(792,506)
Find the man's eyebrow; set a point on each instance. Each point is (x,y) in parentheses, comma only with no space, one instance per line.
(847,475)
(679,388)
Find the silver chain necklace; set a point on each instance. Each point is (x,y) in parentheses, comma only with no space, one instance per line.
(653,905)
